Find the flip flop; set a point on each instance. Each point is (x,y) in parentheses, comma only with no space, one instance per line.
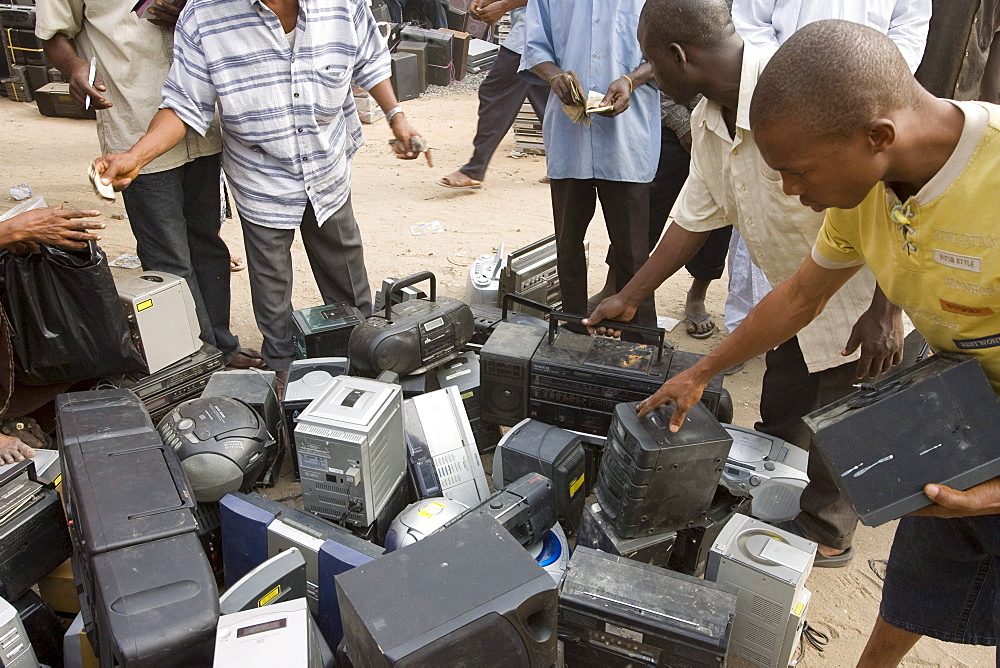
(691,322)
(821,561)
(247,358)
(445,182)
(236,264)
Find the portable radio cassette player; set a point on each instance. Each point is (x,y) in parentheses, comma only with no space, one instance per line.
(413,336)
(577,380)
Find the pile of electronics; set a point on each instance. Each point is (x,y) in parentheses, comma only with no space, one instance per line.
(477,488)
(422,56)
(25,72)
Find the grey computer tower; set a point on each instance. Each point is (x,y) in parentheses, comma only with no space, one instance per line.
(351,449)
(161,316)
(15,647)
(769,567)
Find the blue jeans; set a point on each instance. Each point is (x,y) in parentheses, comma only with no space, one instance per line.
(942,580)
(175,217)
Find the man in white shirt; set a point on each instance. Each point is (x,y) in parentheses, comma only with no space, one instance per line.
(767,24)
(694,49)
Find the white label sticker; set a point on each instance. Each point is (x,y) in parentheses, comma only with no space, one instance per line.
(963,262)
(463,372)
(634,636)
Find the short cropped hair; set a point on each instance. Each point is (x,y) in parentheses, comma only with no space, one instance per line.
(833,77)
(696,23)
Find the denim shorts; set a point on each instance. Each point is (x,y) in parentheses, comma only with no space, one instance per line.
(941,580)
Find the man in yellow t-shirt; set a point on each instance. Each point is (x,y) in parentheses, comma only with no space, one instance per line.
(912,187)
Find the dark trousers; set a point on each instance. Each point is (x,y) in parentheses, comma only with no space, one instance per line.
(500,98)
(626,212)
(176,216)
(337,260)
(790,392)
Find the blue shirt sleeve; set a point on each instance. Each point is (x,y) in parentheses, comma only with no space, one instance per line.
(189,89)
(539,46)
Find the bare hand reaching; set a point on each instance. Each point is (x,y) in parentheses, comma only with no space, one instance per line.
(52,226)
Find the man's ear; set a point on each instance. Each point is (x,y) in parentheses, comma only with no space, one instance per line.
(678,53)
(881,134)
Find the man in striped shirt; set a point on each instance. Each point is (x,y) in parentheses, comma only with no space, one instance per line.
(279,72)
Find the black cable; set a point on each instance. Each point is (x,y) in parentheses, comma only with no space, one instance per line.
(815,637)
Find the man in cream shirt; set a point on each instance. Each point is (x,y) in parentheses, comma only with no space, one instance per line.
(174,205)
(694,48)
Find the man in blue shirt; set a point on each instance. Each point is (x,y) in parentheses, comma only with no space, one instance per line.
(613,158)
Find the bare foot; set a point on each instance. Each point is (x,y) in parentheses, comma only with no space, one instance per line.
(459,180)
(13,450)
(697,321)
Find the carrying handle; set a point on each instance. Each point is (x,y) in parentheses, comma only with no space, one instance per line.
(529,248)
(17,469)
(518,298)
(871,394)
(398,285)
(556,317)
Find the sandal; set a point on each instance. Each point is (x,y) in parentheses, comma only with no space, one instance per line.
(692,323)
(449,182)
(822,560)
(236,264)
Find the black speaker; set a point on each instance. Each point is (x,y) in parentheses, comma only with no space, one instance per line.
(418,49)
(505,363)
(467,595)
(405,76)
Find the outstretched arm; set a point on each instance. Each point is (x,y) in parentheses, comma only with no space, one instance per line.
(778,317)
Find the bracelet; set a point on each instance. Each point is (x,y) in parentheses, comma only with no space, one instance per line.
(389,115)
(631,86)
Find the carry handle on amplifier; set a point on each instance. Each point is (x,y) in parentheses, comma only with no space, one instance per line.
(523,301)
(528,249)
(19,468)
(412,279)
(556,317)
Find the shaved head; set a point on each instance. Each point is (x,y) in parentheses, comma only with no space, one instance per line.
(704,24)
(833,78)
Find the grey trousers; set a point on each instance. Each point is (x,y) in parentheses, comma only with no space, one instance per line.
(338,265)
(789,393)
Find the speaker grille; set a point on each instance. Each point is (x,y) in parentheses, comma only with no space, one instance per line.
(571,617)
(212,476)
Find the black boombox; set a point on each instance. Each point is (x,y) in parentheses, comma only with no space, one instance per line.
(526,508)
(413,336)
(574,381)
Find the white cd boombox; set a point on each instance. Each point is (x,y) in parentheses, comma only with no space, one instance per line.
(771,471)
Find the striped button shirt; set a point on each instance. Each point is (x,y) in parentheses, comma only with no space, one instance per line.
(289,124)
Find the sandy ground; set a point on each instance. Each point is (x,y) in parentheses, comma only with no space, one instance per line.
(51,155)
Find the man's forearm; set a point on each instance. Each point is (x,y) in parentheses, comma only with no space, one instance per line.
(383,94)
(882,305)
(675,249)
(61,53)
(641,75)
(779,316)
(165,131)
(547,70)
